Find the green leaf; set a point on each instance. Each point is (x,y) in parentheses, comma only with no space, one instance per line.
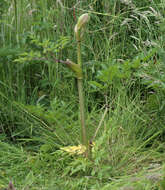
(96,85)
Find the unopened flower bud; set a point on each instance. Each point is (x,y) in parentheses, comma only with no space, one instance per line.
(83,19)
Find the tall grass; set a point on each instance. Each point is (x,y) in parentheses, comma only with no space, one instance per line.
(123,63)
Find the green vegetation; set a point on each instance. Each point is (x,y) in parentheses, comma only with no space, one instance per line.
(122,58)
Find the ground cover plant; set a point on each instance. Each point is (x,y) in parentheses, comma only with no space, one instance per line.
(122,53)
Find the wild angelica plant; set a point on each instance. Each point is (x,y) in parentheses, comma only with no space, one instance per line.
(79,30)
(77,68)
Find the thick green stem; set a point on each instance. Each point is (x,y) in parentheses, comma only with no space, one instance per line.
(82,112)
(81,97)
(81,104)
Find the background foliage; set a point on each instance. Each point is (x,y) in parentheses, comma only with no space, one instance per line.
(123,62)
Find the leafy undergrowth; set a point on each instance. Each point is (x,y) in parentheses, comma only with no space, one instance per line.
(127,154)
(119,166)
